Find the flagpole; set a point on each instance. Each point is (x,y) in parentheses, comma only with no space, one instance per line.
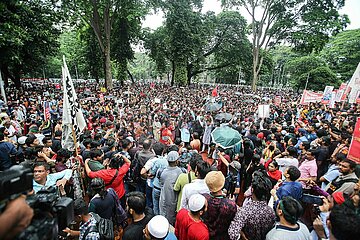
(2,88)
(307,81)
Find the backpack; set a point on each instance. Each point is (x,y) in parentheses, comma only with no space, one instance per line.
(104,227)
(120,215)
(137,168)
(334,185)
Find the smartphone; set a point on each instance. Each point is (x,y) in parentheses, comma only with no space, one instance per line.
(308,198)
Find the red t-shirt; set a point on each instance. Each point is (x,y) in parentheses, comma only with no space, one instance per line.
(108,174)
(188,229)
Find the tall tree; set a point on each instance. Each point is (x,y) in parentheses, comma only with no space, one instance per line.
(306,24)
(311,71)
(127,32)
(342,53)
(189,39)
(28,37)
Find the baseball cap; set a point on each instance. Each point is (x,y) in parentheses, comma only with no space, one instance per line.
(236,165)
(130,138)
(172,156)
(158,226)
(196,202)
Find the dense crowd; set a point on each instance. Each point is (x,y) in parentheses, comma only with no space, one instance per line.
(148,162)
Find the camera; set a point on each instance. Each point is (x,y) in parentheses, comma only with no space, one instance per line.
(51,212)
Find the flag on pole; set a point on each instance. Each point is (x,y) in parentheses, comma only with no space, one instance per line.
(354,85)
(46,111)
(214,92)
(72,118)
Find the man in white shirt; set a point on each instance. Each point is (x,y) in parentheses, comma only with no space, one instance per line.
(196,186)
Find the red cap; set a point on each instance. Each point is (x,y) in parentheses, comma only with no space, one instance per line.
(260,135)
(338,197)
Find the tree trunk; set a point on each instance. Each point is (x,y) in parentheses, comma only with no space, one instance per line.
(189,74)
(255,67)
(131,76)
(172,73)
(108,77)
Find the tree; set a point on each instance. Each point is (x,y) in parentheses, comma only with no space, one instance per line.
(189,39)
(127,31)
(311,71)
(28,37)
(342,53)
(305,24)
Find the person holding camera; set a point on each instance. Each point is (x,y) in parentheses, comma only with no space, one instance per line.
(113,175)
(15,218)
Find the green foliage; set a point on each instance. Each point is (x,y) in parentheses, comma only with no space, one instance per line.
(142,67)
(342,53)
(312,68)
(180,74)
(28,37)
(192,38)
(307,25)
(157,46)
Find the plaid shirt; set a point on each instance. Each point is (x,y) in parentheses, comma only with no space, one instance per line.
(87,225)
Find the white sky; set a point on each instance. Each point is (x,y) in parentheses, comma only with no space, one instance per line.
(351,8)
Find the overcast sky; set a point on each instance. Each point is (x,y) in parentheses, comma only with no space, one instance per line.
(351,8)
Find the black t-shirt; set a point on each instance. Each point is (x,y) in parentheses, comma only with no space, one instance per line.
(103,207)
(135,230)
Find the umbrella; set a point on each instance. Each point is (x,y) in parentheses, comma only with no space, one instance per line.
(226,116)
(212,106)
(226,137)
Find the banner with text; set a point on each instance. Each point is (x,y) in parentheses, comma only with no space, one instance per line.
(354,151)
(310,97)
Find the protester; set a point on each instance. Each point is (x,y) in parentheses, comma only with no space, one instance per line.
(189,225)
(289,210)
(130,120)
(221,210)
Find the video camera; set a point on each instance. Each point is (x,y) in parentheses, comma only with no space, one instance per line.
(51,212)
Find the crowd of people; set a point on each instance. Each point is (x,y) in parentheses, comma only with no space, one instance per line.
(147,161)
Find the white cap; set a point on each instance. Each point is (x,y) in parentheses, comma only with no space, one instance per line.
(158,226)
(172,156)
(21,140)
(283,132)
(196,202)
(130,138)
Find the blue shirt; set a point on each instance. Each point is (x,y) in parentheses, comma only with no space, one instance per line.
(52,178)
(160,163)
(6,150)
(293,189)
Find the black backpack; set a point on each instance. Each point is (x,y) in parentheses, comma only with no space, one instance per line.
(335,185)
(104,227)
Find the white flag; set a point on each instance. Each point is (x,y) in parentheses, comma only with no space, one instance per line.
(354,84)
(72,117)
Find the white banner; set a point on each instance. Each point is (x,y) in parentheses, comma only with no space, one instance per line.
(72,117)
(264,111)
(354,84)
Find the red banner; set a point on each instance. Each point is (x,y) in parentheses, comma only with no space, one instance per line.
(354,151)
(309,97)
